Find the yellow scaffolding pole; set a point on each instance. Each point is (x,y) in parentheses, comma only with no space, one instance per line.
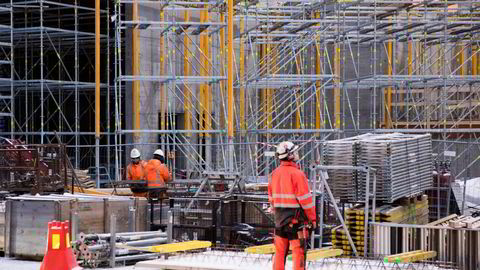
(474,61)
(409,67)
(206,63)
(243,126)
(202,73)
(337,90)
(135,72)
(186,70)
(222,73)
(272,90)
(298,123)
(410,58)
(318,71)
(388,95)
(463,66)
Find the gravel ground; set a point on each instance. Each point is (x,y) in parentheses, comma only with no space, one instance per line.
(7,263)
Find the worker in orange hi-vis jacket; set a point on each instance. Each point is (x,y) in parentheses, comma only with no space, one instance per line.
(136,171)
(157,171)
(293,207)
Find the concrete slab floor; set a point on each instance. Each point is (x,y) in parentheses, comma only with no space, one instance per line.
(14,264)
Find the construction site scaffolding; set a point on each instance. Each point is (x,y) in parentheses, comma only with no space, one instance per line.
(305,72)
(53,75)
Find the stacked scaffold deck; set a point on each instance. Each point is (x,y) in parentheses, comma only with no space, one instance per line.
(403,164)
(343,152)
(411,211)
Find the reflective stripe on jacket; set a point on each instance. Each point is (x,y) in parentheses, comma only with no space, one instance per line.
(136,171)
(288,189)
(157,174)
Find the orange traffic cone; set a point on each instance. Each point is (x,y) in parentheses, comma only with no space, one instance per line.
(59,254)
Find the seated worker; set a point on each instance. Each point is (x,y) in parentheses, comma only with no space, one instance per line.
(157,173)
(136,171)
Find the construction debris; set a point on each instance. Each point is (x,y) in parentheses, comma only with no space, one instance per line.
(83,178)
(455,221)
(32,168)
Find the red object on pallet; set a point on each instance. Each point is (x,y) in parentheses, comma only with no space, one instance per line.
(59,254)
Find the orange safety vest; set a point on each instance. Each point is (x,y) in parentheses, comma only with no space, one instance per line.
(136,171)
(288,189)
(157,174)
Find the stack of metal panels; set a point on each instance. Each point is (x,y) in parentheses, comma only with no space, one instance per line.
(343,152)
(403,163)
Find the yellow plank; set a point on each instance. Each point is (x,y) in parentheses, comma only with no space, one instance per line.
(88,191)
(316,254)
(413,256)
(183,246)
(170,248)
(313,255)
(263,249)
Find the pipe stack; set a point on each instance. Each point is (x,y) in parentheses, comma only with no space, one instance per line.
(93,250)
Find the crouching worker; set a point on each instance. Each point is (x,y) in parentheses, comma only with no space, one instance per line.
(136,172)
(157,174)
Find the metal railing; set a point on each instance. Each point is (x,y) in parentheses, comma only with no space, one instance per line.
(457,246)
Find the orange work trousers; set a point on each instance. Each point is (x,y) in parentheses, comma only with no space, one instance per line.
(282,243)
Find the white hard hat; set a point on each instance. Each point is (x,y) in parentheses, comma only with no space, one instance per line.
(285,148)
(134,153)
(159,152)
